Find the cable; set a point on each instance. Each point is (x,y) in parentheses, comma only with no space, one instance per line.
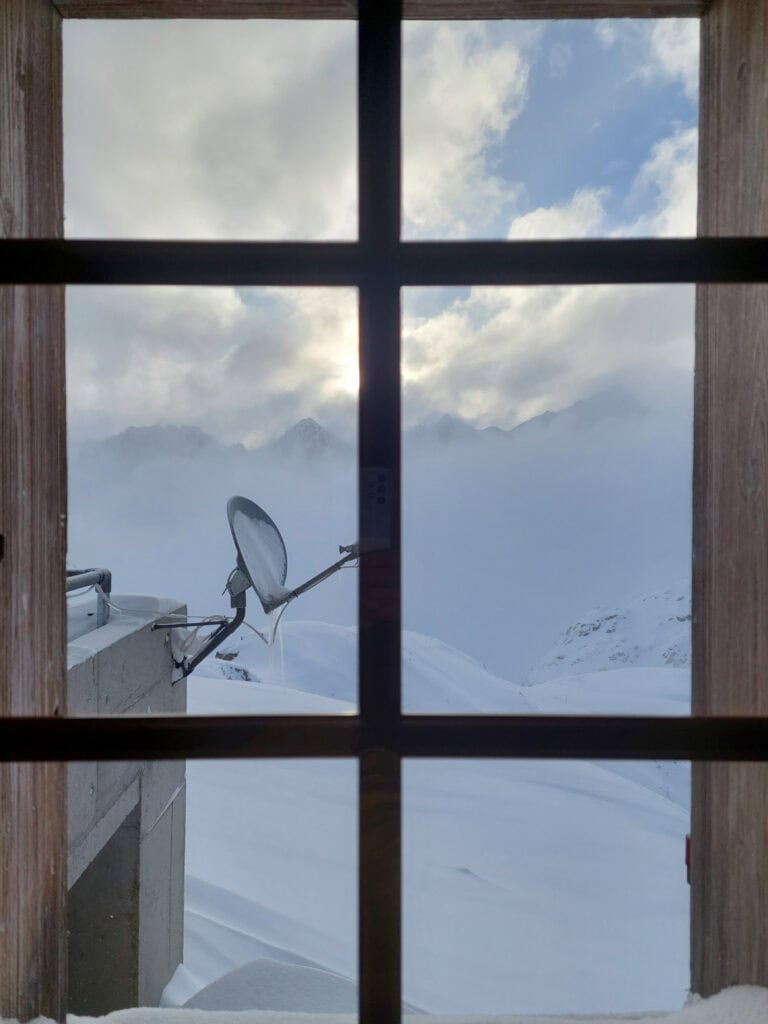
(213,619)
(185,642)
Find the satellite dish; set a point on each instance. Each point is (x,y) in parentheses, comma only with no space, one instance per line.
(262,563)
(261,553)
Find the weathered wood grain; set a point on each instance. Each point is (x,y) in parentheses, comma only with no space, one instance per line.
(417,9)
(32,518)
(729,895)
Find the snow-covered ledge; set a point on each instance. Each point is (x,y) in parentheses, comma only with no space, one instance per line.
(126,821)
(739,1005)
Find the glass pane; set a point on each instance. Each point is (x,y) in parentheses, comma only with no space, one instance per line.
(179,399)
(218,886)
(546,499)
(545,887)
(552,129)
(210,129)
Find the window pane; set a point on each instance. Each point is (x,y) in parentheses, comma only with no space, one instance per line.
(545,887)
(546,499)
(180,398)
(217,886)
(552,129)
(210,129)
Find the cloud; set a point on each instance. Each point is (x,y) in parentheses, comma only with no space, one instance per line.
(503,355)
(462,87)
(669,177)
(240,130)
(664,49)
(606,31)
(583,215)
(215,129)
(241,364)
(675,44)
(248,130)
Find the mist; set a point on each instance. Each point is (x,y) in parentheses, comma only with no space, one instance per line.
(507,537)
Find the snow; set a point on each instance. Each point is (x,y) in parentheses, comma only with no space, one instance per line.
(264,554)
(271,985)
(321,658)
(653,630)
(743,1004)
(539,887)
(529,887)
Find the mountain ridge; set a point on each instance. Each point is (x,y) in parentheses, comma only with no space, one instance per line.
(310,439)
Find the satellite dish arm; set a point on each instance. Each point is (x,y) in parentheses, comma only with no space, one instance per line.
(217,637)
(352,554)
(237,584)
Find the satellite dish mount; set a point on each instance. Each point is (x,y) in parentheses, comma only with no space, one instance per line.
(262,564)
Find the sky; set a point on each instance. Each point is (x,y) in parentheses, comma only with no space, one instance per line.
(510,130)
(247,130)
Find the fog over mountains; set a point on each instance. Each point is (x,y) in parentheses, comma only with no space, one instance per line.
(310,439)
(509,536)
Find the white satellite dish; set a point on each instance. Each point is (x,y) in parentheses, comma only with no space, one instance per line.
(262,563)
(261,553)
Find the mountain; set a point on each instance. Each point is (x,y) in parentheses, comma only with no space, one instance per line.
(654,631)
(448,429)
(310,440)
(134,445)
(137,444)
(306,439)
(611,403)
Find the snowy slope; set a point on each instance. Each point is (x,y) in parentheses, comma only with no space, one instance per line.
(627,691)
(313,662)
(528,887)
(620,691)
(652,630)
(321,659)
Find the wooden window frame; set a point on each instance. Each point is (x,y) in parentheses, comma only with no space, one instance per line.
(37,739)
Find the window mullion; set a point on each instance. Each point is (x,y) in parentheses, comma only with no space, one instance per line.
(379,511)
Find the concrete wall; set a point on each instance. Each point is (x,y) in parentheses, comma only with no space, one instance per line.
(126,822)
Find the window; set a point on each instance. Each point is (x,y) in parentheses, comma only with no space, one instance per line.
(729,649)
